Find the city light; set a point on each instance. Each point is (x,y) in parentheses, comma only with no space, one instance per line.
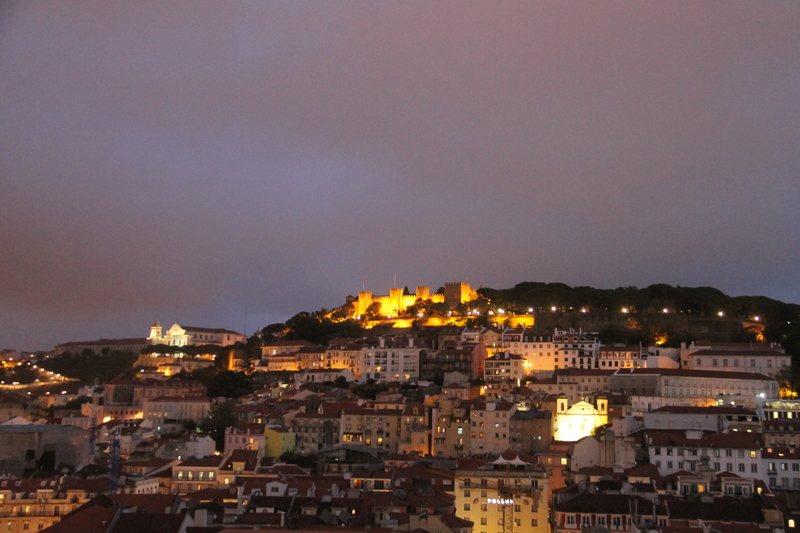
(625,310)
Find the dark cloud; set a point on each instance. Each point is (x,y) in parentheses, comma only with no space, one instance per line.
(262,158)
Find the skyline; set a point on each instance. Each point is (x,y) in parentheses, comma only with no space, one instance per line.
(199,164)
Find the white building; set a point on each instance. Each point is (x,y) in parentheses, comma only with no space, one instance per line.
(393,358)
(762,358)
(675,450)
(651,388)
(187,336)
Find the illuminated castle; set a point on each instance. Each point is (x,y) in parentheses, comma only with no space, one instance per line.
(397,302)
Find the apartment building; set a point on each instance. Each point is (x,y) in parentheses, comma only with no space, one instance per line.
(507,493)
(489,426)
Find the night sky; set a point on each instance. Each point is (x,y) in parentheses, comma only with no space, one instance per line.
(203,162)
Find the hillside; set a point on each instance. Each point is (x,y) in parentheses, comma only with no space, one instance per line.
(661,313)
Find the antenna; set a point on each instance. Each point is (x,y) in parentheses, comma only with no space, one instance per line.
(244,331)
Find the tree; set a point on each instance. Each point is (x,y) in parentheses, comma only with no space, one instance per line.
(274,331)
(220,417)
(77,402)
(299,459)
(789,381)
(373,310)
(229,384)
(24,374)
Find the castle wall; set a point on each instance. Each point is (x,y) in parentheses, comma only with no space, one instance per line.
(396,302)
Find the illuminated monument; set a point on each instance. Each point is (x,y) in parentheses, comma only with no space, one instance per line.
(575,422)
(396,302)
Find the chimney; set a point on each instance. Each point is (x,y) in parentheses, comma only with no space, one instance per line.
(201,517)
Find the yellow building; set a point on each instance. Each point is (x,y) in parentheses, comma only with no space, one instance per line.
(506,494)
(573,423)
(277,441)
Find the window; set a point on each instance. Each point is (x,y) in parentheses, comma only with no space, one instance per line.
(466,506)
(535,522)
(483,520)
(754,468)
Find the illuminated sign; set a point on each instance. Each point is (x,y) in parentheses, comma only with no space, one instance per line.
(500,501)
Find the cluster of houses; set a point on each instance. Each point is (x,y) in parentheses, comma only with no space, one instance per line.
(466,430)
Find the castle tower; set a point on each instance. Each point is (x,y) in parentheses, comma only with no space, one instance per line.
(424,293)
(155,333)
(456,293)
(395,301)
(363,302)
